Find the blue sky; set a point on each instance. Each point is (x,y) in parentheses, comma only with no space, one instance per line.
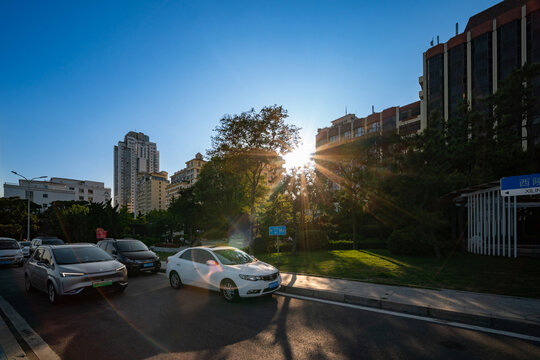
(76,76)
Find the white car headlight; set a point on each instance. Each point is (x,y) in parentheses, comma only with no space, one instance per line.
(71,274)
(250,277)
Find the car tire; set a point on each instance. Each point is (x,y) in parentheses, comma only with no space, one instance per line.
(174,280)
(27,284)
(229,290)
(51,293)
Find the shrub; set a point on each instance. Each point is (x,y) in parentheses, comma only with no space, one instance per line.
(361,244)
(261,245)
(411,240)
(311,240)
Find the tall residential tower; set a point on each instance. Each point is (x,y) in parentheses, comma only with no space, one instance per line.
(136,154)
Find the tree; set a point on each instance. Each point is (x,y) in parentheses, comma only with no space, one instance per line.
(14,215)
(253,141)
(186,209)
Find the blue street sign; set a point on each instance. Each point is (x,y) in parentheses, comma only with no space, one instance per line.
(520,185)
(277,230)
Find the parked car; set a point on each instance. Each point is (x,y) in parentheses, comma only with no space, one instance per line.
(25,247)
(70,269)
(10,252)
(132,253)
(45,240)
(223,268)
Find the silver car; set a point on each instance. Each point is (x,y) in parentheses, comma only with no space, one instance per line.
(69,269)
(10,252)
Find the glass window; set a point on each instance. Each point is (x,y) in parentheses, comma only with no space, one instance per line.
(8,244)
(435,79)
(333,138)
(45,195)
(360,131)
(233,257)
(80,254)
(37,254)
(46,257)
(201,256)
(187,255)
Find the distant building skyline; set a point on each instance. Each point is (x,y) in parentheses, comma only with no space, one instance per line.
(43,193)
(133,156)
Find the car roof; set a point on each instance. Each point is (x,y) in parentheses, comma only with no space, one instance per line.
(6,238)
(67,246)
(214,247)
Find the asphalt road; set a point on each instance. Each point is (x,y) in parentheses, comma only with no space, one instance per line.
(152,320)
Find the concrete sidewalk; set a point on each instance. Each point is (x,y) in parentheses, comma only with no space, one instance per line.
(507,313)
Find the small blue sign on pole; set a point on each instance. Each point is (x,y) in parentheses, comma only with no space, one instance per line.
(277,230)
(520,185)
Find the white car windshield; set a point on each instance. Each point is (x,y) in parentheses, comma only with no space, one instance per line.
(233,257)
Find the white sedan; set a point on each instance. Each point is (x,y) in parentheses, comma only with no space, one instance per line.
(226,269)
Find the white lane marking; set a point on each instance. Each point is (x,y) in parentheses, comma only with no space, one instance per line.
(417,317)
(36,343)
(9,347)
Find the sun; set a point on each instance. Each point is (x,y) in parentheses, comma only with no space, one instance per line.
(298,157)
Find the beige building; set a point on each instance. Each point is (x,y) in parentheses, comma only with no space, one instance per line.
(185,177)
(151,192)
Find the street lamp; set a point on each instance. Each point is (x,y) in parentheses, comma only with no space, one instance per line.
(28,198)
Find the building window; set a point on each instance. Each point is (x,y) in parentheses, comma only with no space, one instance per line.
(347,134)
(333,138)
(90,199)
(360,132)
(81,191)
(81,197)
(374,127)
(90,192)
(45,195)
(71,188)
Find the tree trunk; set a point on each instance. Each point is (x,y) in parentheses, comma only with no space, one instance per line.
(295,240)
(251,217)
(353,218)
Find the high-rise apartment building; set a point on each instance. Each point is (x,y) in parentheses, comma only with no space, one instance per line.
(151,192)
(136,154)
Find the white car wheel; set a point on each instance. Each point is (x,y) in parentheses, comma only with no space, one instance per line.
(229,290)
(174,279)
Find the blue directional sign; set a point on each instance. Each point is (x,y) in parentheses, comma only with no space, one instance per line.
(520,185)
(277,230)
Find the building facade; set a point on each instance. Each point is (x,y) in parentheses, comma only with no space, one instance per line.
(471,65)
(185,178)
(404,120)
(136,154)
(150,194)
(43,193)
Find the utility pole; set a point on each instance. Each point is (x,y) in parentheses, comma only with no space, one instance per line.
(28,198)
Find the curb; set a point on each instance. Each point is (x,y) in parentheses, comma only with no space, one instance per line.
(489,321)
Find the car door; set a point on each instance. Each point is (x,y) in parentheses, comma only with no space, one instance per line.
(34,269)
(41,269)
(184,266)
(201,271)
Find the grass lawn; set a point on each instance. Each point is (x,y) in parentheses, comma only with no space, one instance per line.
(163,255)
(497,275)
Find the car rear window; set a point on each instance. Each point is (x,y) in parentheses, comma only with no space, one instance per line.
(8,244)
(79,255)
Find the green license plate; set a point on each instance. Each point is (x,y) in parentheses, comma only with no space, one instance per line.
(104,283)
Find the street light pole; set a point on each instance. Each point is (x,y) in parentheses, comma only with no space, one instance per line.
(28,200)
